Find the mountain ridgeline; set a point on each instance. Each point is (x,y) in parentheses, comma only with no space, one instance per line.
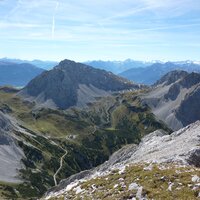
(70,84)
(175,98)
(46,65)
(171,77)
(17,74)
(150,74)
(118,66)
(142,72)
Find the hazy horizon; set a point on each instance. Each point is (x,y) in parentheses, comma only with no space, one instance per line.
(114,60)
(101,30)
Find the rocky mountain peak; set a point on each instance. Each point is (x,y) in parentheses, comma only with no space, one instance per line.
(175,99)
(68,64)
(71,84)
(190,80)
(171,77)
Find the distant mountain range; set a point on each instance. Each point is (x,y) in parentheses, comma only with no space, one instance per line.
(149,75)
(71,83)
(17,74)
(38,63)
(118,66)
(145,72)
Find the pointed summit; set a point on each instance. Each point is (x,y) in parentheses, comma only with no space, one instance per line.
(73,84)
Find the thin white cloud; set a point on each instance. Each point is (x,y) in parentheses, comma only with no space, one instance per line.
(128,13)
(172,8)
(18,25)
(110,23)
(160,8)
(166,27)
(53,28)
(13,10)
(53,20)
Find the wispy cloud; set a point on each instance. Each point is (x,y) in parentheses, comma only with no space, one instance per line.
(128,13)
(53,20)
(114,24)
(18,25)
(15,7)
(169,27)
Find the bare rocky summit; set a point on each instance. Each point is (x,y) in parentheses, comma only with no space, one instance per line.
(70,84)
(171,77)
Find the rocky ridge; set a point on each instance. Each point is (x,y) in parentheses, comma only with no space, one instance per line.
(171,77)
(174,99)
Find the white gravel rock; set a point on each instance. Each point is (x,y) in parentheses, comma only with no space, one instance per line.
(195,178)
(133,186)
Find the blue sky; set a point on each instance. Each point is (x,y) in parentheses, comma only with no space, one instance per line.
(100,29)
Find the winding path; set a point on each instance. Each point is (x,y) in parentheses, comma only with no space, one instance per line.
(58,170)
(108,118)
(111,109)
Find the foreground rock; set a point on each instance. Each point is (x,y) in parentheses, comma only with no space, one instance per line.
(162,166)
